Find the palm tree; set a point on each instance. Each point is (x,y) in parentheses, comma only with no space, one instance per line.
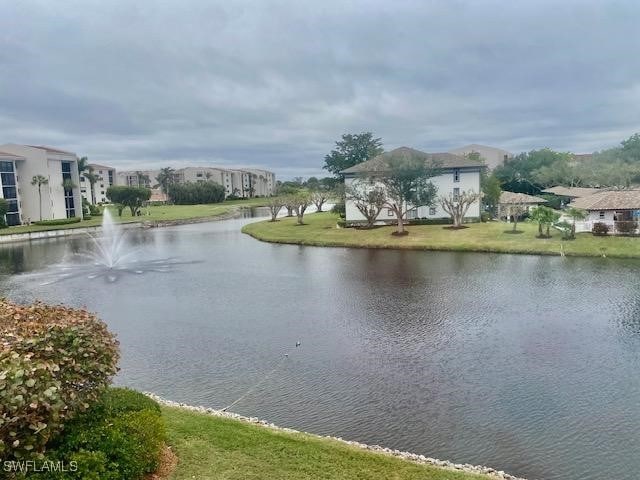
(93,179)
(143,179)
(83,165)
(165,178)
(575,214)
(39,180)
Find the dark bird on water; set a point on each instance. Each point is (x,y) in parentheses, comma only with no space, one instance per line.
(298,344)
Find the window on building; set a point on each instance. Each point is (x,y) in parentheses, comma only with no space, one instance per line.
(9,192)
(456,194)
(69,202)
(199,175)
(456,174)
(389,212)
(601,215)
(432,210)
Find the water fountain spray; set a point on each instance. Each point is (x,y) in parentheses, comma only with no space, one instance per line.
(110,256)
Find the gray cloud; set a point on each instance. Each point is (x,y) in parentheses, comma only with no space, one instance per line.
(275,83)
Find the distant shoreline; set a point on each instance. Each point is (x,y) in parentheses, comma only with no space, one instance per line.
(493,237)
(70,230)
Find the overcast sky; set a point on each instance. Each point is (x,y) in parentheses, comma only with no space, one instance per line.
(274,84)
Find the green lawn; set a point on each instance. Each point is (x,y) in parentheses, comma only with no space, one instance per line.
(210,447)
(320,230)
(156,213)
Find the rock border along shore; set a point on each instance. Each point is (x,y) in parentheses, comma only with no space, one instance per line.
(412,457)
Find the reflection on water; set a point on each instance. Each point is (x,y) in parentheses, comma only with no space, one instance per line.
(526,363)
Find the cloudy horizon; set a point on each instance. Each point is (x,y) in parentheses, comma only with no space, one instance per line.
(274,84)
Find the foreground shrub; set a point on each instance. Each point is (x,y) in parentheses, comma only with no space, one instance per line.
(54,362)
(600,228)
(196,193)
(58,221)
(121,436)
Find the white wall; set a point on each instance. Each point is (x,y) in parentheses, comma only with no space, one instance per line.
(49,165)
(468,181)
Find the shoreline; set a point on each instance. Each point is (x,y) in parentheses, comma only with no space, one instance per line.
(69,232)
(321,231)
(403,455)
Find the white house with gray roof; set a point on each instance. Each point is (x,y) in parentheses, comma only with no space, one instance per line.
(457,174)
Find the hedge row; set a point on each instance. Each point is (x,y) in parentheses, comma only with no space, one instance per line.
(196,193)
(58,221)
(54,363)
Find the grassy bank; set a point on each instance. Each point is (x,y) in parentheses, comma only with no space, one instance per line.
(216,448)
(320,230)
(156,213)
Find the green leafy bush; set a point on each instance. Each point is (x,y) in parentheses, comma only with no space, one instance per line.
(340,209)
(122,400)
(54,362)
(4,208)
(121,436)
(485,217)
(95,210)
(196,193)
(58,221)
(600,228)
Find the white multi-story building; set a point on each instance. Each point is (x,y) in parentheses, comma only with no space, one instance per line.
(106,178)
(58,198)
(456,175)
(243,183)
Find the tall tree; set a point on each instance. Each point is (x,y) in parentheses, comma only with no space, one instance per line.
(92,178)
(83,165)
(351,150)
(491,190)
(517,173)
(39,181)
(166,178)
(405,179)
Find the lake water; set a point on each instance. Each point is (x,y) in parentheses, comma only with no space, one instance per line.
(524,363)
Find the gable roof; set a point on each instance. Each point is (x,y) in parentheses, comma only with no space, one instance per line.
(97,165)
(11,155)
(519,198)
(380,163)
(609,200)
(52,150)
(572,192)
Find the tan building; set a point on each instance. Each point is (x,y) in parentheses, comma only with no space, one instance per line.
(106,178)
(58,198)
(493,157)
